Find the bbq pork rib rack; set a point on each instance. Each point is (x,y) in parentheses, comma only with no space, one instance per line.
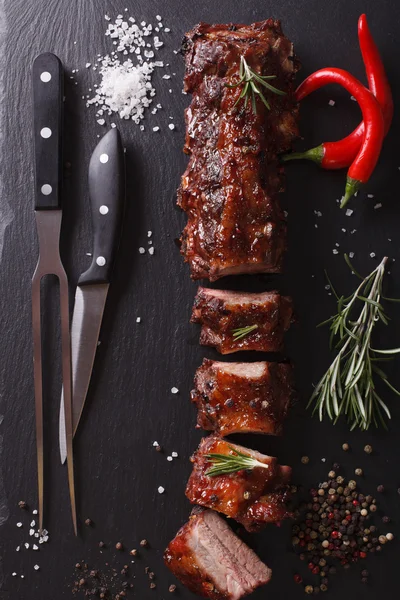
(235,397)
(235,321)
(212,561)
(254,496)
(231,185)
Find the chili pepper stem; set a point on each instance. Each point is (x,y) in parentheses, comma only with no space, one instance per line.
(315,154)
(352,186)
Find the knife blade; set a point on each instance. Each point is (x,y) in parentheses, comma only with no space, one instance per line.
(47,87)
(107,194)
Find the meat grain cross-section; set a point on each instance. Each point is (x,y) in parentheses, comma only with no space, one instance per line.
(212,561)
(231,185)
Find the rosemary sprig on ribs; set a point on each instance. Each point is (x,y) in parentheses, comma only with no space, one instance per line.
(223,464)
(348,386)
(252,83)
(241,332)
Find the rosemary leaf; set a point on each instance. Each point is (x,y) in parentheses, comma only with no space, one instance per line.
(224,464)
(249,79)
(241,332)
(348,386)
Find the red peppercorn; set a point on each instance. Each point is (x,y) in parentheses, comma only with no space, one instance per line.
(356,502)
(335,534)
(331,515)
(298,578)
(315,570)
(331,546)
(311,566)
(348,517)
(363,555)
(302,543)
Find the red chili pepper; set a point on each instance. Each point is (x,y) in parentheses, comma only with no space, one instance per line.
(368,154)
(339,154)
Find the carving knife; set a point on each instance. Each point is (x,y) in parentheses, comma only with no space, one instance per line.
(107,195)
(47,76)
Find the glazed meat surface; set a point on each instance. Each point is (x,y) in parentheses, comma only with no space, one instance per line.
(230,187)
(222,312)
(234,494)
(242,397)
(209,559)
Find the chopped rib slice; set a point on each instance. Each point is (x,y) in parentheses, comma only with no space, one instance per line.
(244,495)
(222,312)
(242,397)
(230,494)
(212,561)
(231,185)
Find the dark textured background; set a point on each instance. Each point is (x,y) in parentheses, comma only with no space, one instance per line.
(130,404)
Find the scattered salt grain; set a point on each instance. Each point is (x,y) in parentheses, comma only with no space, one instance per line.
(331,103)
(31,532)
(14,574)
(335,251)
(35,512)
(351,254)
(88,65)
(36,567)
(174,390)
(141,250)
(323,460)
(318,213)
(26,545)
(174,454)
(138,319)
(378,205)
(327,287)
(22,576)
(344,230)
(169,458)
(161,490)
(349,212)
(171,126)
(33,523)
(370,195)
(18,548)
(151,250)
(155,444)
(352,98)
(337,245)
(149,233)
(19,524)
(156,128)
(372,254)
(34,547)
(101,121)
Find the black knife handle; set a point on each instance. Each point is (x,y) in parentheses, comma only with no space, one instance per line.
(107,197)
(47,75)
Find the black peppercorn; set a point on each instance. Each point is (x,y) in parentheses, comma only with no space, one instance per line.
(380,489)
(22,504)
(118,546)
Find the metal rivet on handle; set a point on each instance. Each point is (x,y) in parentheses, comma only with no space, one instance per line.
(101,261)
(45,132)
(46,189)
(45,76)
(103,158)
(103,209)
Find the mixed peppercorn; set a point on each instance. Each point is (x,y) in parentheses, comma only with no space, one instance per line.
(336,528)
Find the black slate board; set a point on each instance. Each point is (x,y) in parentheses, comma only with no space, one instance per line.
(130,404)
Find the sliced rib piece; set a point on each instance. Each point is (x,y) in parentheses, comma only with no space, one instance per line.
(231,185)
(222,312)
(234,494)
(209,559)
(242,397)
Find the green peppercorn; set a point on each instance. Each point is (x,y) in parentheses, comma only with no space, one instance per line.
(345,447)
(352,484)
(368,449)
(305,460)
(358,472)
(323,587)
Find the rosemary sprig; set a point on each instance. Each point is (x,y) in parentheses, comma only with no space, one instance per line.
(348,386)
(241,332)
(252,83)
(223,464)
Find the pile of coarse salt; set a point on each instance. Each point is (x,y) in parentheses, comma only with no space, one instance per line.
(126,87)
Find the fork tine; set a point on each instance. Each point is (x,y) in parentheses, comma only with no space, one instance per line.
(37,370)
(67,388)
